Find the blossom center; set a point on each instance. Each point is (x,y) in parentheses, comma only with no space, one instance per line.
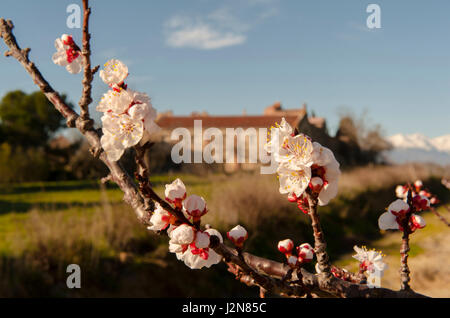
(72,54)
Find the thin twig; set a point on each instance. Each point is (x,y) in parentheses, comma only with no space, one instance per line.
(404,269)
(86,98)
(320,245)
(440,216)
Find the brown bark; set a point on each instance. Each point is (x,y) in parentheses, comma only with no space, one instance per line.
(88,73)
(320,245)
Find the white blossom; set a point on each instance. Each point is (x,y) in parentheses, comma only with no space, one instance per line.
(370,260)
(144,109)
(394,218)
(114,73)
(321,155)
(195,261)
(116,101)
(67,54)
(129,117)
(398,207)
(160,219)
(295,152)
(120,132)
(201,239)
(277,135)
(195,205)
(182,235)
(327,168)
(293,180)
(175,191)
(388,221)
(126,122)
(237,235)
(176,248)
(299,160)
(330,188)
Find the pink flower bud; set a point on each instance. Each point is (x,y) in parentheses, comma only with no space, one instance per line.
(305,253)
(398,207)
(285,246)
(195,206)
(316,184)
(67,39)
(238,235)
(418,184)
(421,202)
(175,192)
(417,222)
(401,191)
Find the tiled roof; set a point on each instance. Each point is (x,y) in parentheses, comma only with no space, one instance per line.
(171,122)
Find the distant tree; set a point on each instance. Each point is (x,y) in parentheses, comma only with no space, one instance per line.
(28,120)
(347,128)
(365,139)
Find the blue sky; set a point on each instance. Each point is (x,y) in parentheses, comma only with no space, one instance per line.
(229,56)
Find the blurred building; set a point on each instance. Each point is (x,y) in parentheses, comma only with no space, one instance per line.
(313,126)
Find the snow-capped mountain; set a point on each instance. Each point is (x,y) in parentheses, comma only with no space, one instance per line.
(419,148)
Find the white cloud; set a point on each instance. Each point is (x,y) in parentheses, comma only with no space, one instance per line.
(186,32)
(223,27)
(224,17)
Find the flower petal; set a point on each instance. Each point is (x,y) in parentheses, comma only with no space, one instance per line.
(387,221)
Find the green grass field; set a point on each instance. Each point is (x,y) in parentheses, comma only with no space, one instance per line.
(47,225)
(71,199)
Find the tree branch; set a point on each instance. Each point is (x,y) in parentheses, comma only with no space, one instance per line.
(86,98)
(404,268)
(443,220)
(320,245)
